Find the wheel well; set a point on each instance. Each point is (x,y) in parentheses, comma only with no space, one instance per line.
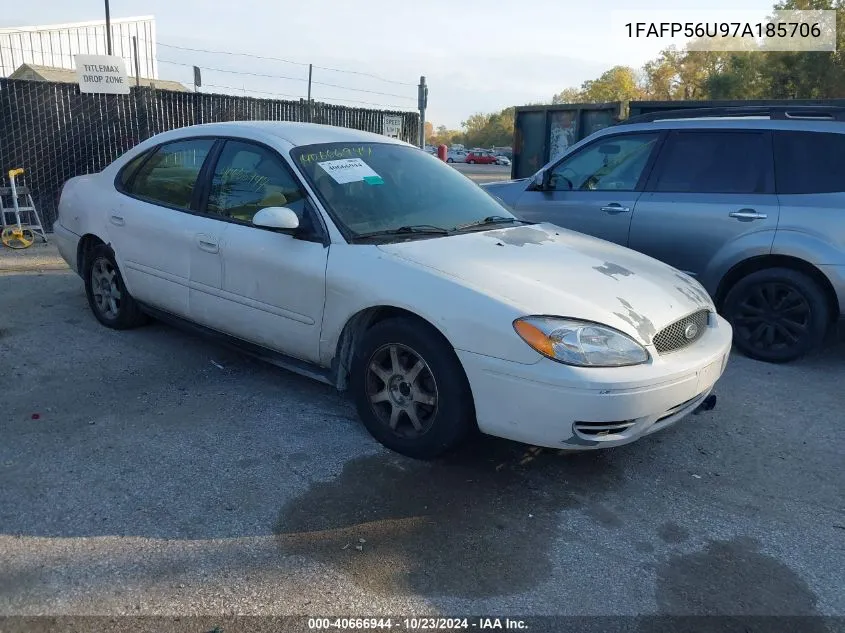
(355,328)
(86,245)
(778,261)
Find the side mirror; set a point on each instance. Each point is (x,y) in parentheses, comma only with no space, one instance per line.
(539,181)
(278,218)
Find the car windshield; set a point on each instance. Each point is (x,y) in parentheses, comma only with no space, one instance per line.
(377,188)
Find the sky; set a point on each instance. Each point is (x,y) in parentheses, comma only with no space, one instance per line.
(476,55)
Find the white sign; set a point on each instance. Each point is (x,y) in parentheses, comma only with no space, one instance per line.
(392,126)
(101,73)
(348,170)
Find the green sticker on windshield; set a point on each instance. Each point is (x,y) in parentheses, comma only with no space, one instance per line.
(374,180)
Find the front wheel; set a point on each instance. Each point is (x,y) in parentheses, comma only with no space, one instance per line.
(471,162)
(777,314)
(410,389)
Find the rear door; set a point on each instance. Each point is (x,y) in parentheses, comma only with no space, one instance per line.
(151,227)
(710,196)
(594,189)
(810,168)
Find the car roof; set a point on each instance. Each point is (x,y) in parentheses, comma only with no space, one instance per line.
(295,133)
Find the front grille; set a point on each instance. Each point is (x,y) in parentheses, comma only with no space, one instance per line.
(674,337)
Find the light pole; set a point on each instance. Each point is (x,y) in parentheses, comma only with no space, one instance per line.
(108,29)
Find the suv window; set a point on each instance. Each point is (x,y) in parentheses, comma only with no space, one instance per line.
(249,178)
(171,173)
(612,164)
(809,162)
(714,162)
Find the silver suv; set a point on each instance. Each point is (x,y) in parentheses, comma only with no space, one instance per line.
(750,201)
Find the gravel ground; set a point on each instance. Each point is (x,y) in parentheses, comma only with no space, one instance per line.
(152,472)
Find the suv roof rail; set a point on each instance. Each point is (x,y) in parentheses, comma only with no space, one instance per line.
(812,112)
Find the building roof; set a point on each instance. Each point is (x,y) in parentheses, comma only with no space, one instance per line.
(34,72)
(75,25)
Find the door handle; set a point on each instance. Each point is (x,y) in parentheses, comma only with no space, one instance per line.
(614,207)
(207,243)
(747,214)
(117,220)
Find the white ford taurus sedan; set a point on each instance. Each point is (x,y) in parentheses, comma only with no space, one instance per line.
(364,262)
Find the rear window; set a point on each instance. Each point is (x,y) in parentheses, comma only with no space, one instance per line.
(809,162)
(130,168)
(715,162)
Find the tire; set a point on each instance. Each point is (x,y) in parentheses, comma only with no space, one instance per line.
(450,160)
(108,297)
(778,315)
(438,395)
(471,162)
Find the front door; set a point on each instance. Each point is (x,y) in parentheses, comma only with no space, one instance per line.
(272,285)
(594,190)
(711,192)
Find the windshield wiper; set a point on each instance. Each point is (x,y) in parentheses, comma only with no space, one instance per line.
(418,229)
(492,219)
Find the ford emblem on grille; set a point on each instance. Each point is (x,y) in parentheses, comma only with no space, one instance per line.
(690,331)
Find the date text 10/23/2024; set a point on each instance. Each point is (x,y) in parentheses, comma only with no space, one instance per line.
(418,624)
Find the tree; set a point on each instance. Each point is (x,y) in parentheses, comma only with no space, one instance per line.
(620,83)
(489,130)
(568,95)
(429,130)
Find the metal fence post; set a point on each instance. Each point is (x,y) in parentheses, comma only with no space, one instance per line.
(422,99)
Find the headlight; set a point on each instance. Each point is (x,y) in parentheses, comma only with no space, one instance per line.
(580,342)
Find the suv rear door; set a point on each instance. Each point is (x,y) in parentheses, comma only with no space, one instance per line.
(709,200)
(810,169)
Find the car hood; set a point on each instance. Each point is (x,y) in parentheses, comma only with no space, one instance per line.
(544,269)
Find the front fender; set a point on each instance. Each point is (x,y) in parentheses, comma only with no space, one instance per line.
(360,277)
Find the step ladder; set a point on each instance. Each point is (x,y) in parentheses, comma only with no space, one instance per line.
(18,215)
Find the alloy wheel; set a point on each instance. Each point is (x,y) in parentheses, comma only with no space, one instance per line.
(105,288)
(772,316)
(402,390)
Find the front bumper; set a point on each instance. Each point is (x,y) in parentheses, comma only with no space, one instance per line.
(68,244)
(554,405)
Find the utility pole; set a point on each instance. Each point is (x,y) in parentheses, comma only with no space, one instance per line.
(310,71)
(108,29)
(137,62)
(422,99)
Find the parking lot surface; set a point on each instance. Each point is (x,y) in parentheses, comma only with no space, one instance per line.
(484,173)
(153,472)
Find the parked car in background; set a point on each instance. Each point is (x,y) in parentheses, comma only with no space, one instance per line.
(750,201)
(481,157)
(456,156)
(360,261)
(502,160)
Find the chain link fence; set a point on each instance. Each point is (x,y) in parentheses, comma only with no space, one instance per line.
(55,132)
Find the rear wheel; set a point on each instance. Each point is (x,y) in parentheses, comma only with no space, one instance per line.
(410,389)
(108,297)
(778,314)
(450,160)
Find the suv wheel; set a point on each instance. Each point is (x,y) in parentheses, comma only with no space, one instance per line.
(410,389)
(778,314)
